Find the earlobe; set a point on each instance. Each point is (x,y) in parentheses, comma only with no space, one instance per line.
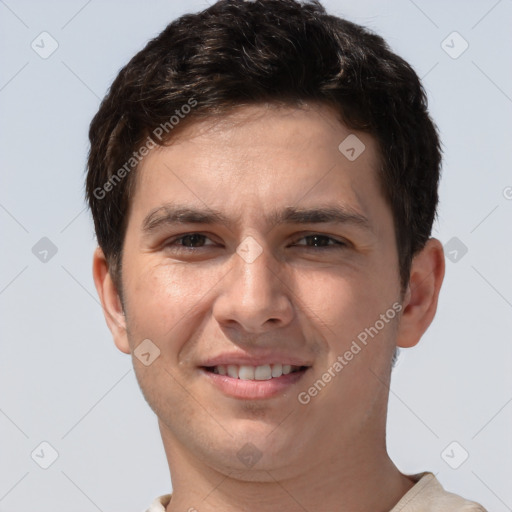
(110,301)
(420,301)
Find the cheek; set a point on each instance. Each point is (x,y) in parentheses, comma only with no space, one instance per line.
(342,304)
(163,299)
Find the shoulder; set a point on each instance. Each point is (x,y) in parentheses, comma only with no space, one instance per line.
(160,503)
(428,495)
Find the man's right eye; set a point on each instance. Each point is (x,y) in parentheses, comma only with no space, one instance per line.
(189,241)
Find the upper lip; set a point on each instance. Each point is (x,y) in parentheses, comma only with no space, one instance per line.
(241,358)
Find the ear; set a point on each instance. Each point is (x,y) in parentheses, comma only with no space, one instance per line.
(110,301)
(420,301)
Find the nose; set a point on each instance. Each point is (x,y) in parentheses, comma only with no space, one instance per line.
(254,297)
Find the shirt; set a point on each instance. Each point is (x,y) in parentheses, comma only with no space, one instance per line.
(427,495)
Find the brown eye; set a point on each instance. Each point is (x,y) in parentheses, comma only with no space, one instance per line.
(318,241)
(193,240)
(189,241)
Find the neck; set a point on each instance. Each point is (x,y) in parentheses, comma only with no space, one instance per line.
(358,477)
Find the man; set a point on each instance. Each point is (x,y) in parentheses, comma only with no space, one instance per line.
(263,181)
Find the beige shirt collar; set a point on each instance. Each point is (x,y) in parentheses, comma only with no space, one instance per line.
(427,495)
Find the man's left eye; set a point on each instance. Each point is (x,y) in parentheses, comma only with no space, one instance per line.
(320,241)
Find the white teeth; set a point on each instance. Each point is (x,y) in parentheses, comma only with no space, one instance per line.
(246,372)
(233,371)
(262,372)
(277,370)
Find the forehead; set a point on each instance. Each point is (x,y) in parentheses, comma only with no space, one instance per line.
(256,154)
(279,128)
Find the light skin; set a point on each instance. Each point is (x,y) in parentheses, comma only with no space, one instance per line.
(308,297)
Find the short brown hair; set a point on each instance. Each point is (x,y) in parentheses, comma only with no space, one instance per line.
(238,53)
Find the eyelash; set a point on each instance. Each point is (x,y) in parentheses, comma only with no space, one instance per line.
(337,244)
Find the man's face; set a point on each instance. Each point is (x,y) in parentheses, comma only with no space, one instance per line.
(290,257)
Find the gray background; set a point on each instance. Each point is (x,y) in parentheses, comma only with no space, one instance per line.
(63,382)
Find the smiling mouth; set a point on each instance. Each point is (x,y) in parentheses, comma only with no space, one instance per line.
(255,373)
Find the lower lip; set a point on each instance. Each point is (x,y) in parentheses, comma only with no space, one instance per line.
(254,389)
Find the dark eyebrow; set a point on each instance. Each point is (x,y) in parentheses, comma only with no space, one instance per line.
(175,214)
(329,214)
(169,214)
